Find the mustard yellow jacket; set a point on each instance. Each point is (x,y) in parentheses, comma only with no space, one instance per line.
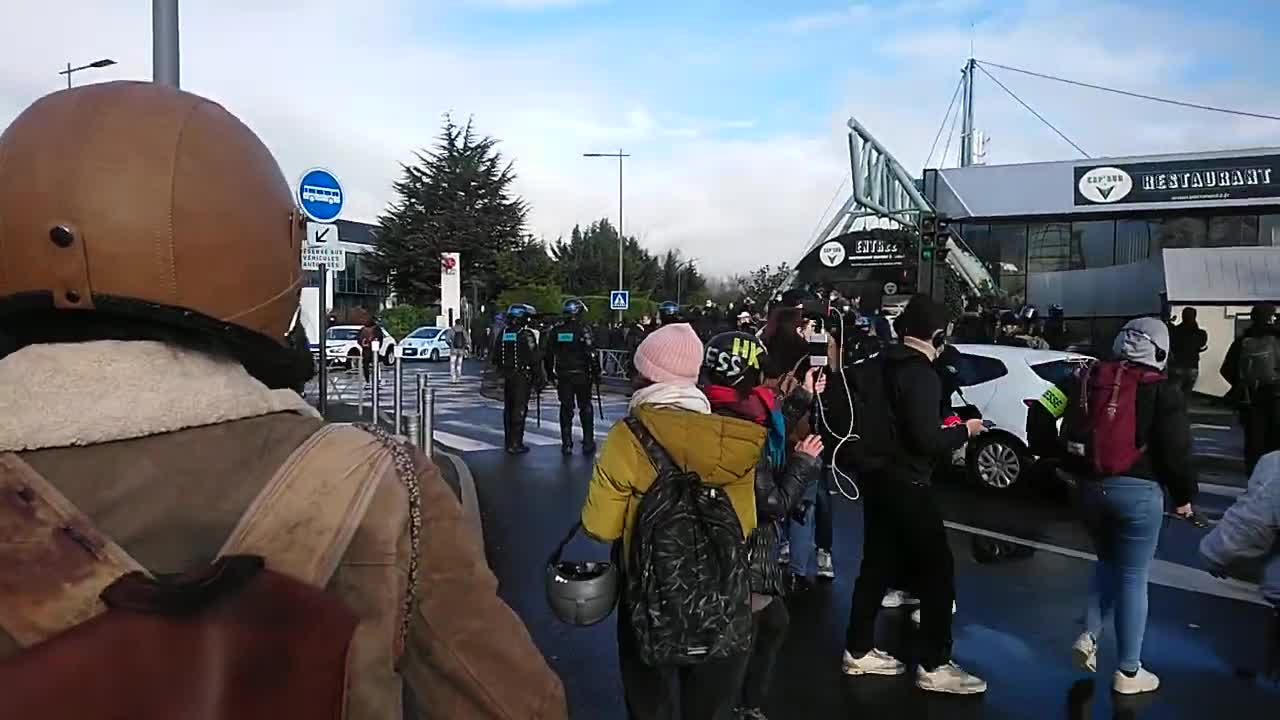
(722,450)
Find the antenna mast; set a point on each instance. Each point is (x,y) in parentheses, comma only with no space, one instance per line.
(967,138)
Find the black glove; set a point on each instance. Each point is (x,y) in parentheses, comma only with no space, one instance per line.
(801,511)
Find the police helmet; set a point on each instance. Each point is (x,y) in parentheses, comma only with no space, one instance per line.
(574,306)
(734,359)
(580,593)
(1028,313)
(520,314)
(668,312)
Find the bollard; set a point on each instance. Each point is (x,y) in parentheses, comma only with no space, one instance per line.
(375,377)
(360,379)
(398,403)
(426,417)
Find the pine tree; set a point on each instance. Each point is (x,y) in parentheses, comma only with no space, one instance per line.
(455,198)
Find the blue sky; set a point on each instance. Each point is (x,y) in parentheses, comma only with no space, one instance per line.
(733,111)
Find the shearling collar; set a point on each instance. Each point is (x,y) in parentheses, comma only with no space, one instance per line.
(96,392)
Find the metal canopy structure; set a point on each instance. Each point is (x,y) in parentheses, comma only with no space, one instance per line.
(886,196)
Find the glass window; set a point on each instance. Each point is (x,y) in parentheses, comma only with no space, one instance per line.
(343,333)
(1136,241)
(1015,286)
(977,369)
(1181,232)
(1010,243)
(425,333)
(978,238)
(1233,231)
(311,278)
(1056,371)
(1096,240)
(1269,231)
(1050,248)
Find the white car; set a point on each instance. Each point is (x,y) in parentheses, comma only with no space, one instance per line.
(426,343)
(342,346)
(1002,381)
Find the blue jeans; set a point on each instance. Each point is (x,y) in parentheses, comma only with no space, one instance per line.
(1123,516)
(804,553)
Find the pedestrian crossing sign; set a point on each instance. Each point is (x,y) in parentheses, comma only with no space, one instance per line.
(619,300)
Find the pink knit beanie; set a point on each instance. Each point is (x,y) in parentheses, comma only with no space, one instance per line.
(672,354)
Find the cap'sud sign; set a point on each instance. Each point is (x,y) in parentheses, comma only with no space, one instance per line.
(832,254)
(1105,185)
(1179,181)
(320,195)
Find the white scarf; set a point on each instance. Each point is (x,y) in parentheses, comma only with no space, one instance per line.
(683,397)
(96,392)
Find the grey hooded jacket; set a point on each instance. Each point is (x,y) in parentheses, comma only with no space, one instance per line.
(1250,531)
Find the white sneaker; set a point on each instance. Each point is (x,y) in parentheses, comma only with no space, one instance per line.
(875,662)
(898,598)
(950,678)
(1144,682)
(915,614)
(1084,651)
(825,568)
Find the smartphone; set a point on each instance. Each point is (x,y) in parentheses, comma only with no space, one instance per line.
(818,349)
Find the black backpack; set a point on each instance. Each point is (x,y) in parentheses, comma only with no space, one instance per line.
(872,440)
(688,584)
(458,339)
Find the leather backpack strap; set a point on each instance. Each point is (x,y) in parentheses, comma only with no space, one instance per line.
(53,562)
(304,519)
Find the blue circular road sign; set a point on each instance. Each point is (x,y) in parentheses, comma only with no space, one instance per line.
(320,195)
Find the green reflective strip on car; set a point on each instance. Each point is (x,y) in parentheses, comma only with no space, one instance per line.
(1055,401)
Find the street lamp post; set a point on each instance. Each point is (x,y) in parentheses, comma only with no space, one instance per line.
(618,155)
(680,275)
(104,62)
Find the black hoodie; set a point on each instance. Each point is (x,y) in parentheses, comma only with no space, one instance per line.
(915,392)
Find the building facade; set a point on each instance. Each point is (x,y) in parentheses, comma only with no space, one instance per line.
(352,288)
(1112,239)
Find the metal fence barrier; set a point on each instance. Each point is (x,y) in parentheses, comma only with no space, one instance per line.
(615,364)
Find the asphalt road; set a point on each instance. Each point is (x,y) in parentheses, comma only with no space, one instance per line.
(1016,617)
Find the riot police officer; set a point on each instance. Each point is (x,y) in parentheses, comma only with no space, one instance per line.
(517,359)
(669,313)
(572,364)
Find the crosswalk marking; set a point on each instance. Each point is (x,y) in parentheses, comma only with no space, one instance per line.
(469,422)
(462,444)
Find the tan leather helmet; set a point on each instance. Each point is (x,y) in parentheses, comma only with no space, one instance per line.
(137,197)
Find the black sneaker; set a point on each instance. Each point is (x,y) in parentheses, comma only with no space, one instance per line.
(588,448)
(566,449)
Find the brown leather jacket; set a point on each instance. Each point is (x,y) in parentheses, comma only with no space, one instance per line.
(171,500)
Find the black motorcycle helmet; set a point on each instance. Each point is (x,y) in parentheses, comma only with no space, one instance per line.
(580,593)
(573,307)
(734,359)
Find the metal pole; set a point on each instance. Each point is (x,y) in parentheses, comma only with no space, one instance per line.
(426,417)
(620,278)
(164,42)
(966,132)
(398,404)
(68,76)
(323,270)
(360,369)
(375,376)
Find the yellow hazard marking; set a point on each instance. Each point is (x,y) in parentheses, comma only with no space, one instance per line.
(1055,401)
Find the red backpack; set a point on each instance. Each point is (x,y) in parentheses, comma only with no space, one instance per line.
(1102,425)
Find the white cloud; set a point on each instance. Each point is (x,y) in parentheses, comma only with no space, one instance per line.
(359,88)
